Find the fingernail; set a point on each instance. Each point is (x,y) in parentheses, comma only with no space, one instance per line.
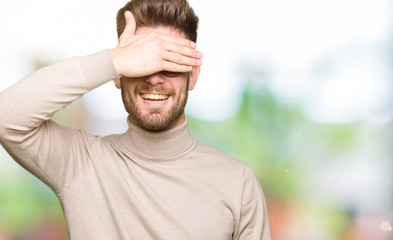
(127,14)
(193,44)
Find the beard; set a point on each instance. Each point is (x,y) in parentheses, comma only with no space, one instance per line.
(154,119)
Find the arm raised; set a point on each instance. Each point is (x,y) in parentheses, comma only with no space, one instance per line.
(49,151)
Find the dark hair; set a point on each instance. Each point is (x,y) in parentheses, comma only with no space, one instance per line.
(169,13)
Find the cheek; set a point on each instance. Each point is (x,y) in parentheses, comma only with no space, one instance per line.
(127,94)
(181,86)
(128,88)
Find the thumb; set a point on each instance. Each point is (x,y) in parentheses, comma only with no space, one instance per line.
(129,29)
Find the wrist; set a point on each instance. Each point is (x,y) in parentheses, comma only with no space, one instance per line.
(114,55)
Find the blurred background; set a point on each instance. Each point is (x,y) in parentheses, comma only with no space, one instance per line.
(302,90)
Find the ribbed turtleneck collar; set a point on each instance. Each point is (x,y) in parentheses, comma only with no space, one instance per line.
(158,145)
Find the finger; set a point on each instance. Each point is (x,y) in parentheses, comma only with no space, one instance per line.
(130,28)
(186,51)
(173,67)
(182,60)
(177,40)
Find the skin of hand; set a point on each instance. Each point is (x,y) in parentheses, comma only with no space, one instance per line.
(145,54)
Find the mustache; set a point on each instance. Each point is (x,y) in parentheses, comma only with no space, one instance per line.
(157,89)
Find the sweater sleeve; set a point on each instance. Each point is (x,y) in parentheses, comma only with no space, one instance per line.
(47,150)
(254,220)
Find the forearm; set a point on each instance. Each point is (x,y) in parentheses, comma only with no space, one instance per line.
(34,99)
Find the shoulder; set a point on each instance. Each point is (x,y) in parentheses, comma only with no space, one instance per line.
(94,145)
(219,160)
(105,142)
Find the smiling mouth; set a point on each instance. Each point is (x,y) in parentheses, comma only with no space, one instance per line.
(154,97)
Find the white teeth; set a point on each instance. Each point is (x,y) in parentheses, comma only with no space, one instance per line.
(154,96)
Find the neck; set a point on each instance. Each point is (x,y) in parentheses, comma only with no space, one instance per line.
(158,145)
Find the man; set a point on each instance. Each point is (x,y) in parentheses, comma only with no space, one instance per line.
(154,181)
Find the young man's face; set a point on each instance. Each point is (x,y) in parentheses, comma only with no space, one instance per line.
(156,102)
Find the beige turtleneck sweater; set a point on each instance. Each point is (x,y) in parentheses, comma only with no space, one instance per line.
(136,185)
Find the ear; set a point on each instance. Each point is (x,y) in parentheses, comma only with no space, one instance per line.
(117,83)
(194,74)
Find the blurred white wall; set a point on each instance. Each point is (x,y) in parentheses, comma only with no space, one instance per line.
(347,41)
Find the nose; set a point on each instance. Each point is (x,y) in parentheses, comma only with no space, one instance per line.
(154,79)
